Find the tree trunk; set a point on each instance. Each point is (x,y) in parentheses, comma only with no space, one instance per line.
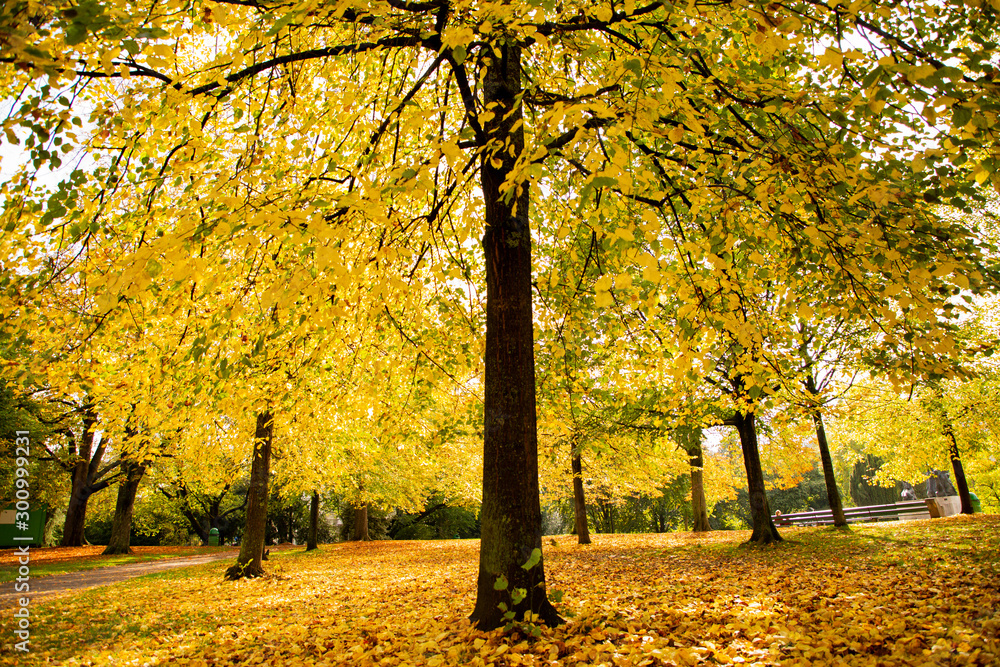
(196,526)
(956,465)
(313,522)
(764,531)
(511,513)
(580,526)
(76,512)
(81,490)
(956,461)
(360,531)
(121,525)
(832,492)
(699,508)
(248,563)
(690,441)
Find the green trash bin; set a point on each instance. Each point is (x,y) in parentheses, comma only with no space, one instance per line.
(213,537)
(977,507)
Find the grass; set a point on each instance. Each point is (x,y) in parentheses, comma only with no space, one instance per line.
(923,592)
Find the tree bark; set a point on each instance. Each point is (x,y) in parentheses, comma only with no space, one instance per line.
(764,531)
(83,475)
(249,562)
(197,527)
(690,441)
(313,522)
(956,461)
(832,492)
(76,512)
(359,533)
(580,526)
(511,513)
(956,465)
(121,525)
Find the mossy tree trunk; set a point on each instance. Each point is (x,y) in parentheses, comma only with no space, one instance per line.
(961,483)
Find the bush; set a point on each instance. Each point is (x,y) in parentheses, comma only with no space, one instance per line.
(438,521)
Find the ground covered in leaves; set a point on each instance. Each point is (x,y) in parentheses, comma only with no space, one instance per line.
(59,560)
(922,592)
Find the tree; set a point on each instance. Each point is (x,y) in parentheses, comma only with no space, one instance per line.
(248,562)
(905,435)
(359,531)
(689,439)
(88,475)
(22,413)
(833,493)
(204,510)
(313,522)
(121,526)
(579,501)
(948,430)
(717,117)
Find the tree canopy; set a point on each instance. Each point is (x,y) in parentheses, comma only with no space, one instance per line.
(272,208)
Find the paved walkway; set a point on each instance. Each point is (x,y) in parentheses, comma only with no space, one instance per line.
(46,587)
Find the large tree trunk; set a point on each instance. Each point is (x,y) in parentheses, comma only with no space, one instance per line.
(76,512)
(359,533)
(248,563)
(690,441)
(121,525)
(511,513)
(764,531)
(313,522)
(832,492)
(580,526)
(82,475)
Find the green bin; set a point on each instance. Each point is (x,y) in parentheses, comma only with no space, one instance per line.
(977,507)
(213,537)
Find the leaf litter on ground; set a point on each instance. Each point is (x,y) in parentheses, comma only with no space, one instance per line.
(61,560)
(913,593)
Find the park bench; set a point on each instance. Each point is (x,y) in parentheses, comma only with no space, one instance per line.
(907,509)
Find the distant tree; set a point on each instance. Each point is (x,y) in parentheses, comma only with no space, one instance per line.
(864,488)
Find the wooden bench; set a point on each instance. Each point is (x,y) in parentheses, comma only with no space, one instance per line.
(908,509)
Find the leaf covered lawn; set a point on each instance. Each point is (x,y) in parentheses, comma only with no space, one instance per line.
(923,592)
(60,560)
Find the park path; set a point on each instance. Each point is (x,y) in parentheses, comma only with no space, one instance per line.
(50,586)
